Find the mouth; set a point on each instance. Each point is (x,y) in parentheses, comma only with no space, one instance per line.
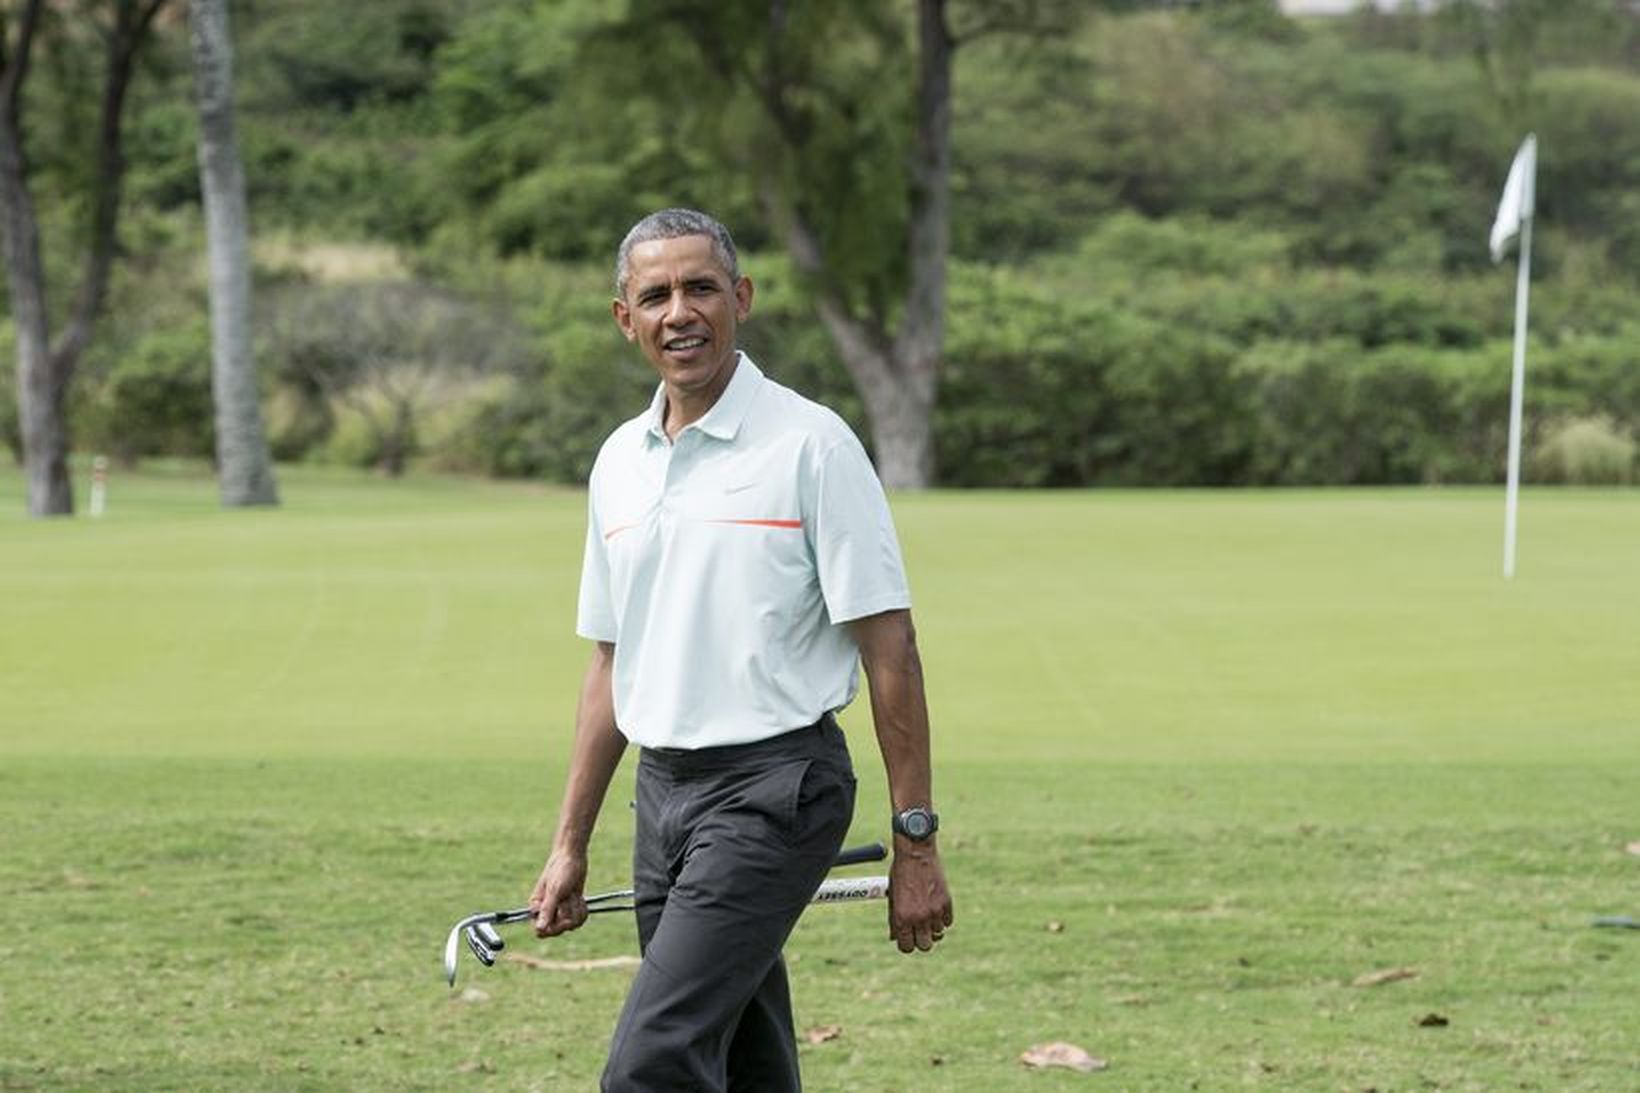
(683,344)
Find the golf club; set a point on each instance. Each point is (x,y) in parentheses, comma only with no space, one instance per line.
(484,941)
(476,946)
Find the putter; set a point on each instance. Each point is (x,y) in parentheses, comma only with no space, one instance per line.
(484,941)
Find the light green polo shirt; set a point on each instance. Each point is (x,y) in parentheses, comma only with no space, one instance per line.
(723,565)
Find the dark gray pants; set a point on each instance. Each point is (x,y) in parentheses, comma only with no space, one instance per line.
(731,844)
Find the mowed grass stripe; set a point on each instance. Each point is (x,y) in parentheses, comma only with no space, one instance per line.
(277,925)
(433,617)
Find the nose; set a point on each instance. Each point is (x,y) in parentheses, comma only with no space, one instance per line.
(677,308)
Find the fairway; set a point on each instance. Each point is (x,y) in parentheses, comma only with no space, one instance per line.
(1203,759)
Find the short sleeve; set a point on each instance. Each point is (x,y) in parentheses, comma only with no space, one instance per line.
(856,551)
(595,611)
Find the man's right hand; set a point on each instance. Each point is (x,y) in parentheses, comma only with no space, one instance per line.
(559,899)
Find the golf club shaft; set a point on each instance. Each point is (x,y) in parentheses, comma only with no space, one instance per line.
(621,899)
(834,890)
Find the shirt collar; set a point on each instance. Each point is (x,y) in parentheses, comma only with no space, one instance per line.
(723,420)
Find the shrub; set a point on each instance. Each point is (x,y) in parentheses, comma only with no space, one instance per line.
(155,399)
(1584,451)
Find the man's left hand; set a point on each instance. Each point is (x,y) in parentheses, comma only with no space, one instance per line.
(919,905)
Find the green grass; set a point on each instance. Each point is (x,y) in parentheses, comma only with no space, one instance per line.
(1242,748)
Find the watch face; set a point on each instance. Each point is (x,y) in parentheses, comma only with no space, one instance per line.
(917,824)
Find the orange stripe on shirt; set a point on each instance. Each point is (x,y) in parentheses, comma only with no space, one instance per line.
(614,531)
(761,523)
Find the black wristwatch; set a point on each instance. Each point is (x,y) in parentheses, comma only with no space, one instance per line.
(917,824)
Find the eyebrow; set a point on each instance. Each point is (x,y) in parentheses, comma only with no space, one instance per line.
(654,287)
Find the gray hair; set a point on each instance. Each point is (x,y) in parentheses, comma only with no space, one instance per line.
(674,224)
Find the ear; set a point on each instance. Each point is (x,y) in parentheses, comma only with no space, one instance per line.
(743,298)
(623,318)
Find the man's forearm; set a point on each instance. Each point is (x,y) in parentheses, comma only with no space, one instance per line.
(598,748)
(899,706)
(919,903)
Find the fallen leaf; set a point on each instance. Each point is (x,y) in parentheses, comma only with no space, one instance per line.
(473,994)
(1055,926)
(1382,976)
(819,1034)
(481,1066)
(1069,1056)
(1633,848)
(1433,1020)
(573,965)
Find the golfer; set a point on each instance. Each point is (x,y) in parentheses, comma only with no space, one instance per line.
(740,566)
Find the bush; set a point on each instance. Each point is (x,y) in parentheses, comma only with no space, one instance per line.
(1334,414)
(1045,391)
(155,398)
(299,421)
(1584,451)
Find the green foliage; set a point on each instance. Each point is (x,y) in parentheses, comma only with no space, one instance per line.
(1206,244)
(156,398)
(298,419)
(308,56)
(1045,391)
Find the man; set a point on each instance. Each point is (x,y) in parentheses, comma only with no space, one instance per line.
(740,565)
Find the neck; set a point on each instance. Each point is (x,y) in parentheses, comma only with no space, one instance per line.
(685,407)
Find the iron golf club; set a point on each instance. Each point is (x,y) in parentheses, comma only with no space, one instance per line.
(484,940)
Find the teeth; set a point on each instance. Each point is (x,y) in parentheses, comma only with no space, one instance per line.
(686,343)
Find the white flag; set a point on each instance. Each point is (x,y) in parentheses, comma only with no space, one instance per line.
(1515,208)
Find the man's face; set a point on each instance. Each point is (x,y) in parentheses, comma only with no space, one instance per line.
(681,308)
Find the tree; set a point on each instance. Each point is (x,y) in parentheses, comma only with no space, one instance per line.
(45,367)
(244,469)
(804,106)
(1510,39)
(893,353)
(872,240)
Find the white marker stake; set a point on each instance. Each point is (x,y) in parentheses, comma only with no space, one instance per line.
(99,486)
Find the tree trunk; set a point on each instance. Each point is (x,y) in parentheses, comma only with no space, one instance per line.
(244,468)
(897,375)
(39,396)
(904,439)
(45,370)
(399,440)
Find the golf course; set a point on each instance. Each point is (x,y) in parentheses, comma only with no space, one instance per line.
(1281,789)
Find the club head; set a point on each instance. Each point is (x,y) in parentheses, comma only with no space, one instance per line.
(488,934)
(451,952)
(478,947)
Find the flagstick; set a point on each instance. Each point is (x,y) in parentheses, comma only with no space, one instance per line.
(1516,396)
